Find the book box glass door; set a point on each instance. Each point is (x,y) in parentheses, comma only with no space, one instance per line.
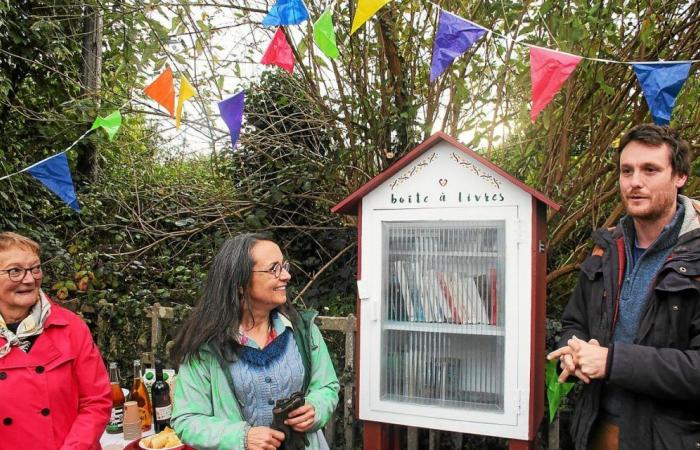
(443,337)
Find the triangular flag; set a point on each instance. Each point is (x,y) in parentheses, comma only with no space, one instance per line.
(186,92)
(286,12)
(324,35)
(549,69)
(661,83)
(54,173)
(365,10)
(279,52)
(110,124)
(454,37)
(231,111)
(162,91)
(555,390)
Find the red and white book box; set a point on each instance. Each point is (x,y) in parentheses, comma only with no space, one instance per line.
(451,287)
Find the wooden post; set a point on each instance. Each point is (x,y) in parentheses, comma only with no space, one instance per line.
(375,435)
(521,445)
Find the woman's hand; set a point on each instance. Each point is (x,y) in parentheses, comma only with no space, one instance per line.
(264,438)
(301,418)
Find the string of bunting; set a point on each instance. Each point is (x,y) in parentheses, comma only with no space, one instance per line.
(661,81)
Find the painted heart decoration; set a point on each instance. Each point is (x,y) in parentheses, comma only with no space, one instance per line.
(442,181)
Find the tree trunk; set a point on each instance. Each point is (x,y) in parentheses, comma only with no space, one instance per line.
(90,86)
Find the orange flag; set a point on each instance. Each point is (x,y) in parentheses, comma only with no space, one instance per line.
(163,91)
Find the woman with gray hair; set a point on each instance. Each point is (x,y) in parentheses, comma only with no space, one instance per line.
(244,352)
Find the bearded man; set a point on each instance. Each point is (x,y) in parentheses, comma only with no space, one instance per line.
(631,330)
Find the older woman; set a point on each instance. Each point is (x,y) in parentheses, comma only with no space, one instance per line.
(243,348)
(54,389)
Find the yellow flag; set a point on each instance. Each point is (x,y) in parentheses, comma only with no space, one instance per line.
(186,92)
(365,10)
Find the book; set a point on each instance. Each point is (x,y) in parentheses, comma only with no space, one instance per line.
(447,294)
(406,292)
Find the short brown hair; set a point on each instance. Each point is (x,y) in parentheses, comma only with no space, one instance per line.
(656,135)
(8,240)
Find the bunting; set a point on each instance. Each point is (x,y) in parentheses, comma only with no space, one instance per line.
(162,91)
(286,12)
(454,37)
(231,111)
(324,35)
(279,53)
(110,124)
(548,71)
(661,84)
(54,173)
(365,10)
(186,93)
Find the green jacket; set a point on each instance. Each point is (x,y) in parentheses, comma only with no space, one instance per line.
(206,413)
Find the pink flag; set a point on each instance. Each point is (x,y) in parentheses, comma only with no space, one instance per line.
(279,52)
(549,69)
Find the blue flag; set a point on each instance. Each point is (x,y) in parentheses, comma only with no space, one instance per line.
(661,83)
(286,12)
(55,174)
(454,37)
(231,111)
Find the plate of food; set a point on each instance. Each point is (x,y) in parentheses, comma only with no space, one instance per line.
(165,440)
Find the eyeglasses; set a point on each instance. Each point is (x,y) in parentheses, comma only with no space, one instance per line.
(18,274)
(276,269)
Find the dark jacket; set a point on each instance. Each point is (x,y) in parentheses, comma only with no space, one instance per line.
(661,368)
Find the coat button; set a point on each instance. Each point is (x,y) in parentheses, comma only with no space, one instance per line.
(39,369)
(3,375)
(7,421)
(45,412)
(674,307)
(684,270)
(268,380)
(270,402)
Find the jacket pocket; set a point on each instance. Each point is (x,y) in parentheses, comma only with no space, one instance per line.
(675,433)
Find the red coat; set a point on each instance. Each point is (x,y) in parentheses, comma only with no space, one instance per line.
(58,395)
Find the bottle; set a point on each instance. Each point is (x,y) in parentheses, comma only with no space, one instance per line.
(116,420)
(140,395)
(162,407)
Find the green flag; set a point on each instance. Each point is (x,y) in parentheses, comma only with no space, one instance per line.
(324,35)
(111,123)
(555,390)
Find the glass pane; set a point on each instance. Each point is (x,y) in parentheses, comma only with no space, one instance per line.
(443,313)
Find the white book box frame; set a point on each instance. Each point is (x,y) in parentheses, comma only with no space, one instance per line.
(451,295)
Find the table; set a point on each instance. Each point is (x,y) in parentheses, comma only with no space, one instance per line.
(117,441)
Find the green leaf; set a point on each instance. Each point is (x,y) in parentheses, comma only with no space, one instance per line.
(556,391)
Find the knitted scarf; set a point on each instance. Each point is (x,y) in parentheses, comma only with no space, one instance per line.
(32,325)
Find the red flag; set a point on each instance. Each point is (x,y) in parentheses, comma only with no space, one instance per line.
(549,69)
(163,91)
(279,52)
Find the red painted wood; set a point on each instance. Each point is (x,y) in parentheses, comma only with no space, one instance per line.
(521,445)
(375,435)
(356,395)
(349,204)
(538,314)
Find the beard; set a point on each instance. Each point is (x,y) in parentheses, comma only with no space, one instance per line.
(656,207)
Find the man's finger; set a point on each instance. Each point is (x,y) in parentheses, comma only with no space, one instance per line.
(581,376)
(564,375)
(594,342)
(560,351)
(574,343)
(568,361)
